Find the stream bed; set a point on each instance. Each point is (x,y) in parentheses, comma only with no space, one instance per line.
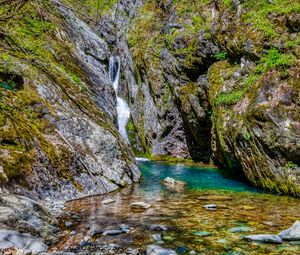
(188,227)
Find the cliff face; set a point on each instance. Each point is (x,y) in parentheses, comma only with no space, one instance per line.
(58,135)
(220,79)
(203,79)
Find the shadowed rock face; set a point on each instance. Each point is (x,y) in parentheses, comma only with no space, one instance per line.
(58,135)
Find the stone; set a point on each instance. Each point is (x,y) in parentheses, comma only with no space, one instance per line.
(108,201)
(68,224)
(201,233)
(292,233)
(248,207)
(157,238)
(157,250)
(140,205)
(158,227)
(240,229)
(112,232)
(125,228)
(264,238)
(210,207)
(21,241)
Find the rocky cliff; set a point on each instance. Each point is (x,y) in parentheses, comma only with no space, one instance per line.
(58,134)
(220,79)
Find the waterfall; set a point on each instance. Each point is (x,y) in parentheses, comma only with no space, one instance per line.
(123,110)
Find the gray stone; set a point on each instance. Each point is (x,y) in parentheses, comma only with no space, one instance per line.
(108,201)
(210,207)
(264,238)
(157,238)
(140,205)
(292,233)
(240,229)
(112,232)
(158,227)
(157,250)
(68,224)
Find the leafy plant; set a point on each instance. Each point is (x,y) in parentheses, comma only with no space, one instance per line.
(221,55)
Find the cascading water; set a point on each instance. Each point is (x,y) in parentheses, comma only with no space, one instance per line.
(123,110)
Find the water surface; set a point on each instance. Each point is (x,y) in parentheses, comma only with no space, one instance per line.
(181,210)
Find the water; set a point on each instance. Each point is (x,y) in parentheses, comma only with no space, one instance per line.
(182,211)
(196,177)
(123,110)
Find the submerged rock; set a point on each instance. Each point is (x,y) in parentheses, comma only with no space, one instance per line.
(158,227)
(201,233)
(174,184)
(240,229)
(157,250)
(215,198)
(291,234)
(210,207)
(264,238)
(112,232)
(140,205)
(157,238)
(108,201)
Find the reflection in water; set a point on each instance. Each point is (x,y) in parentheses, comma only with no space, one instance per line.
(184,214)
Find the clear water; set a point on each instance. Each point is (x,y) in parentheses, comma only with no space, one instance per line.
(183,212)
(196,177)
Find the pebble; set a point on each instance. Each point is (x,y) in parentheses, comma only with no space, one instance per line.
(158,227)
(68,224)
(140,205)
(240,229)
(264,238)
(157,238)
(157,250)
(210,207)
(201,233)
(108,201)
(112,232)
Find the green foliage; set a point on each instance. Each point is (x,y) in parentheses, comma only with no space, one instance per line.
(262,14)
(221,55)
(291,165)
(230,98)
(275,59)
(10,85)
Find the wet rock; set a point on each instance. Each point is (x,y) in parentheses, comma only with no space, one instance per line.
(192,252)
(210,207)
(140,205)
(264,238)
(240,229)
(157,238)
(108,201)
(201,233)
(291,234)
(68,224)
(125,228)
(158,227)
(25,215)
(11,238)
(57,253)
(85,243)
(173,182)
(112,232)
(157,250)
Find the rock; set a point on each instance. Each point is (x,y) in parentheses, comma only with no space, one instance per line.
(112,232)
(140,205)
(157,250)
(68,224)
(158,227)
(264,238)
(125,228)
(210,207)
(57,253)
(215,198)
(84,243)
(201,233)
(157,238)
(248,207)
(240,229)
(192,252)
(174,184)
(21,241)
(291,234)
(108,201)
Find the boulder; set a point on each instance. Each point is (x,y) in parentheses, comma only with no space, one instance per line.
(140,205)
(292,233)
(157,250)
(264,238)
